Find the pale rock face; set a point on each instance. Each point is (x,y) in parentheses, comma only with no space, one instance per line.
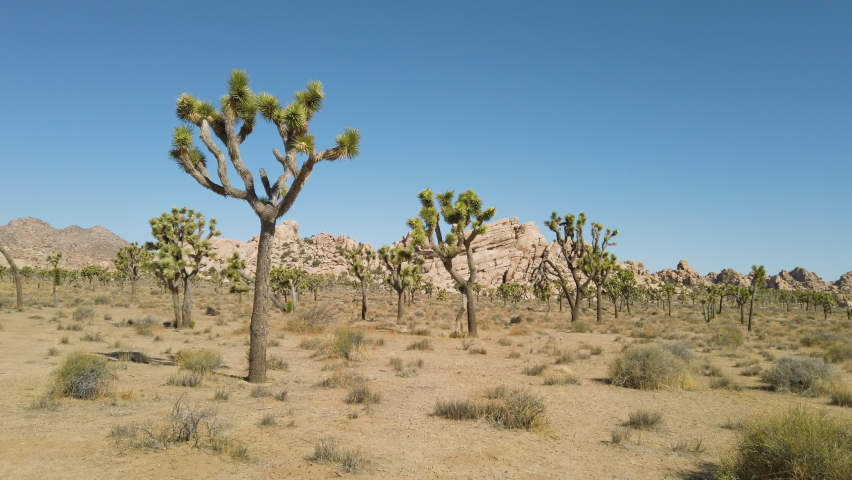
(733,277)
(801,279)
(683,275)
(844,283)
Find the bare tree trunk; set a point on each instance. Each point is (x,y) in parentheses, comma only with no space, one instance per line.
(598,302)
(460,314)
(751,307)
(293,294)
(400,300)
(186,316)
(19,290)
(259,326)
(55,296)
(133,287)
(363,300)
(176,305)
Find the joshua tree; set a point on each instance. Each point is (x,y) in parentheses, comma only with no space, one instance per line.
(402,267)
(92,273)
(180,248)
(576,254)
(19,289)
(599,268)
(361,260)
(56,273)
(466,212)
(129,261)
(239,108)
(758,276)
(668,292)
(286,280)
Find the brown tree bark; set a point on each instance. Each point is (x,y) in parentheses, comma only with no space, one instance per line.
(16,274)
(186,315)
(259,325)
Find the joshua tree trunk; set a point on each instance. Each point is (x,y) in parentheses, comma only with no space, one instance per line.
(293,294)
(363,300)
(670,306)
(598,302)
(615,307)
(751,307)
(460,313)
(186,314)
(17,276)
(259,326)
(400,300)
(173,288)
(575,311)
(55,296)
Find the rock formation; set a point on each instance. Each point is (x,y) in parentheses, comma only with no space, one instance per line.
(31,240)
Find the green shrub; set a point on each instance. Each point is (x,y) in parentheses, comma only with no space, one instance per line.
(796,444)
(82,375)
(649,367)
(727,336)
(798,375)
(347,343)
(839,352)
(424,344)
(200,361)
(841,395)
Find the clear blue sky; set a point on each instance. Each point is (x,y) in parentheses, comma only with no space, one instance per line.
(719,132)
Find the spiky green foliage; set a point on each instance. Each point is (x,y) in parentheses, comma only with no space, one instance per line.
(286,280)
(463,214)
(402,270)
(361,260)
(584,261)
(129,262)
(757,279)
(181,245)
(230,124)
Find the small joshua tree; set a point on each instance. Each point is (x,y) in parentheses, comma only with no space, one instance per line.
(758,277)
(581,259)
(129,262)
(286,280)
(668,292)
(16,274)
(402,268)
(599,268)
(465,213)
(231,124)
(180,248)
(56,274)
(361,260)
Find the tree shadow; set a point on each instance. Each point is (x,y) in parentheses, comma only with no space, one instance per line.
(704,471)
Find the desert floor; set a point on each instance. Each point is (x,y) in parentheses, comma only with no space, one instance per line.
(398,435)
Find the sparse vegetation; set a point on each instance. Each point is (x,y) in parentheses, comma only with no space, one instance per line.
(506,408)
(649,367)
(82,375)
(798,375)
(328,450)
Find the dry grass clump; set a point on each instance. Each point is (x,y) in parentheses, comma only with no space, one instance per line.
(362,393)
(192,425)
(535,369)
(727,336)
(799,375)
(313,319)
(201,361)
(424,344)
(186,379)
(406,370)
(562,379)
(342,378)
(796,444)
(840,394)
(327,450)
(644,419)
(83,313)
(724,383)
(839,352)
(347,342)
(82,375)
(649,367)
(507,408)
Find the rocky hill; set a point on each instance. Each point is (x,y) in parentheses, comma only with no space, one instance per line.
(510,251)
(31,240)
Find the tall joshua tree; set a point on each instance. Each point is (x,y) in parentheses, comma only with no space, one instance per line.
(402,267)
(181,247)
(361,260)
(231,124)
(465,213)
(599,268)
(757,279)
(128,261)
(581,259)
(56,274)
(19,290)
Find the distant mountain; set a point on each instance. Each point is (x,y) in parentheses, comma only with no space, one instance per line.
(31,240)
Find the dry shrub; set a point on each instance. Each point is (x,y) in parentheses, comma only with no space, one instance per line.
(199,361)
(650,367)
(313,319)
(343,378)
(727,336)
(327,450)
(506,408)
(796,444)
(82,375)
(799,375)
(841,395)
(839,352)
(348,343)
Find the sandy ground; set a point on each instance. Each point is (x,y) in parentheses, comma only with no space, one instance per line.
(399,435)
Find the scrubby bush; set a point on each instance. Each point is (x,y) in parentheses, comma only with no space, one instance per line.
(839,352)
(347,343)
(200,361)
(313,319)
(798,375)
(327,450)
(424,344)
(649,367)
(506,408)
(362,393)
(644,419)
(728,336)
(83,313)
(796,444)
(82,375)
